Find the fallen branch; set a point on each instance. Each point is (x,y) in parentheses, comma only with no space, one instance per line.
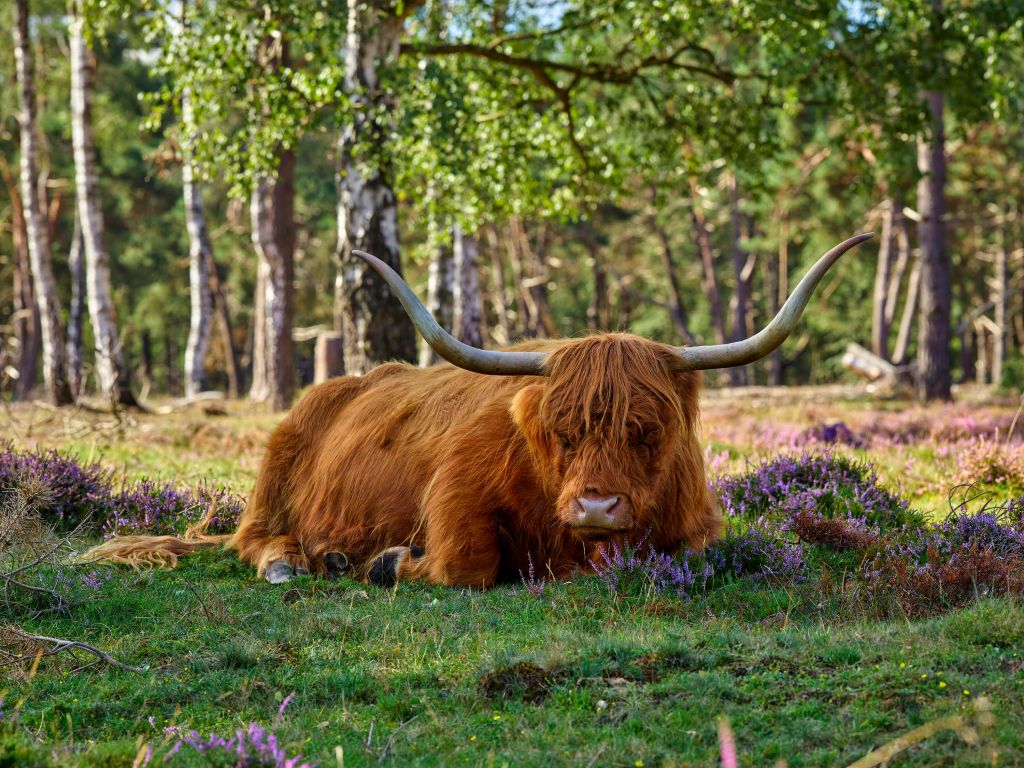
(59,645)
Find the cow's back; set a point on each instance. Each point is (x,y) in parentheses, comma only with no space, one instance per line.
(369,446)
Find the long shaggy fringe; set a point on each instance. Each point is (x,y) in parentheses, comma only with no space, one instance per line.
(141,552)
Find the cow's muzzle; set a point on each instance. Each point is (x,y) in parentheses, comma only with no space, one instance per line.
(599,516)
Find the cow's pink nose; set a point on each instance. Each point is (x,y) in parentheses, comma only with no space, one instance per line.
(597,511)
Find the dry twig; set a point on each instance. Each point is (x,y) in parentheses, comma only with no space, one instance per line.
(52,646)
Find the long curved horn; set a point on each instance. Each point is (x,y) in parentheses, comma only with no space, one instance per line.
(446,345)
(772,335)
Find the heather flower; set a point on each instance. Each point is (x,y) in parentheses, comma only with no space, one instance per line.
(991,462)
(534,586)
(624,565)
(64,490)
(252,747)
(161,509)
(827,484)
(835,433)
(757,553)
(949,564)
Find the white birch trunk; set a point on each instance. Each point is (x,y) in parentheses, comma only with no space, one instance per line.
(199,259)
(372,323)
(110,370)
(76,311)
(467,306)
(259,388)
(55,372)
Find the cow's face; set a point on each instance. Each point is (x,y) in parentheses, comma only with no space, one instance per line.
(604,429)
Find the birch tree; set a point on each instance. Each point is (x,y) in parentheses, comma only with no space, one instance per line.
(200,257)
(111,372)
(374,328)
(55,369)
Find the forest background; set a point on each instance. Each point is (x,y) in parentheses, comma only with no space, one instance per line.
(184,182)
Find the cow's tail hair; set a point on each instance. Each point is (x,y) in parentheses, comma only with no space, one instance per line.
(142,552)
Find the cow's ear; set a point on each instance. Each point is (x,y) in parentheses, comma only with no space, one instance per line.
(526,413)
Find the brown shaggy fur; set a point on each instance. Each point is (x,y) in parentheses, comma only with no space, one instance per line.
(480,471)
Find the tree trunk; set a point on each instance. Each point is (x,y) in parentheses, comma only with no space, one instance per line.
(598,315)
(55,368)
(146,342)
(259,386)
(883,280)
(440,289)
(372,322)
(76,311)
(111,373)
(272,212)
(740,303)
(1000,298)
(901,241)
(933,357)
(499,292)
(771,292)
(677,310)
(899,354)
(467,307)
(223,315)
(707,259)
(26,311)
(525,310)
(533,279)
(199,258)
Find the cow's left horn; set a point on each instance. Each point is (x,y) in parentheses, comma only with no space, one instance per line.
(446,345)
(772,335)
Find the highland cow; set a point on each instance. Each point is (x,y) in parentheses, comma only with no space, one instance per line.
(465,472)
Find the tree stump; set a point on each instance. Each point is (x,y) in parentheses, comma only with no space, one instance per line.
(329,357)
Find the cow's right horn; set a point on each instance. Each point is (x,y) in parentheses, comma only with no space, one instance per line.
(765,341)
(446,345)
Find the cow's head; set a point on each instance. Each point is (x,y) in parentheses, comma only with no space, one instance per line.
(605,417)
(605,427)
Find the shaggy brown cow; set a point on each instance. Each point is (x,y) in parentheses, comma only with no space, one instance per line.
(453,477)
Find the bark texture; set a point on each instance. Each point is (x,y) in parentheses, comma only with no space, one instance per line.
(374,326)
(51,325)
(200,257)
(76,311)
(709,279)
(740,303)
(25,319)
(272,213)
(440,289)
(111,373)
(933,357)
(467,306)
(677,309)
(880,324)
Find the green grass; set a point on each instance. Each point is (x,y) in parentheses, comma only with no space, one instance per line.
(503,677)
(578,676)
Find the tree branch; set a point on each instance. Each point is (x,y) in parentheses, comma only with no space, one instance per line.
(60,645)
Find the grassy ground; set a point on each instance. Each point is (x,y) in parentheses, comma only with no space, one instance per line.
(436,676)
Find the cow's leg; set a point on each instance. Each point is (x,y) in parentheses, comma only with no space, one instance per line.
(457,553)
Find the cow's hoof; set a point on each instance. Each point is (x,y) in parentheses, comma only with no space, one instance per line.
(384,571)
(335,565)
(282,572)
